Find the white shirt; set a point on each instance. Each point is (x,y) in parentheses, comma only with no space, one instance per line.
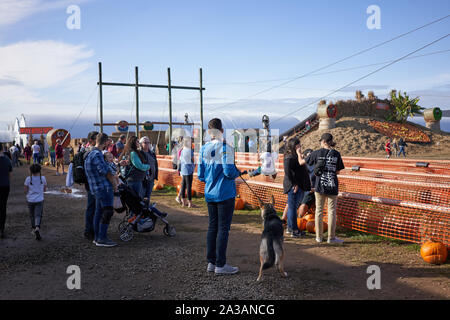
(36,148)
(268,163)
(35,190)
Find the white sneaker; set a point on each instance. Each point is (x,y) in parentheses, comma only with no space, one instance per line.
(177,199)
(226,269)
(211,267)
(318,240)
(336,240)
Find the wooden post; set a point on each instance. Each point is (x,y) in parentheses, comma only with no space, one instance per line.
(201,108)
(101,95)
(137,101)
(170,111)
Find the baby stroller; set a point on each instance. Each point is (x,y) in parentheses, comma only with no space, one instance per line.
(143,218)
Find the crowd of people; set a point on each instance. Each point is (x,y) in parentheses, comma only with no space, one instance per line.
(101,165)
(398,147)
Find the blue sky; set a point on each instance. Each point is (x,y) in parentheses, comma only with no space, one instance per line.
(49,72)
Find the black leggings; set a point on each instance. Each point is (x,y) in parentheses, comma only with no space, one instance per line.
(4,193)
(186,183)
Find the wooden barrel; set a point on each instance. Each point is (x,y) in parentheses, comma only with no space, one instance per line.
(122,126)
(327,111)
(148,126)
(432,114)
(56,134)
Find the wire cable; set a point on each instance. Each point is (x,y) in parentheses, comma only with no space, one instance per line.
(250,83)
(334,63)
(363,77)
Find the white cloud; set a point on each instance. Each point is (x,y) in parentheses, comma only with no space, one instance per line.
(13,11)
(41,64)
(34,73)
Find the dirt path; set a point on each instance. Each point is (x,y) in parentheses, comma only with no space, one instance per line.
(153,266)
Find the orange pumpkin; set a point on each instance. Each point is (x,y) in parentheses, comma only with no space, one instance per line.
(179,189)
(301,224)
(157,187)
(239,204)
(434,252)
(309,217)
(311,226)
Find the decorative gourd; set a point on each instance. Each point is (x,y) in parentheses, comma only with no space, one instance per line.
(434,252)
(239,204)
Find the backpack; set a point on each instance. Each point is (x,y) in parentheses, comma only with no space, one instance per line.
(320,166)
(79,175)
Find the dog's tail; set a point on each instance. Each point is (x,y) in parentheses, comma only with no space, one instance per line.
(267,252)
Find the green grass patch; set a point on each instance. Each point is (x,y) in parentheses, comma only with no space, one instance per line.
(372,238)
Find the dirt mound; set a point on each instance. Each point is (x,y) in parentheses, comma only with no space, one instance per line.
(355,137)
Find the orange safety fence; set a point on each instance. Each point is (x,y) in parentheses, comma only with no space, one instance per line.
(420,192)
(401,176)
(410,206)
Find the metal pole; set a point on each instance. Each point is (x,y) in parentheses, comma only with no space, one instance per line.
(170,111)
(101,95)
(137,101)
(201,108)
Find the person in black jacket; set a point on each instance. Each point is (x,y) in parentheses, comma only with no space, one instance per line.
(296,182)
(326,185)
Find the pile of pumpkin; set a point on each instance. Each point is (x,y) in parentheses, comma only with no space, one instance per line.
(308,223)
(406,131)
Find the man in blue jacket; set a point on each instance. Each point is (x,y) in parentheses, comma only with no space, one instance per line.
(217,170)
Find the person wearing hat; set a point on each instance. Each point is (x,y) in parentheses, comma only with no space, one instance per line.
(327,163)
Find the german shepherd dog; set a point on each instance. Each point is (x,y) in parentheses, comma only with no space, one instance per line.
(271,249)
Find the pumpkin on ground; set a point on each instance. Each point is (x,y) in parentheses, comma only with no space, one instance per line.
(239,204)
(301,224)
(311,226)
(309,217)
(434,252)
(157,186)
(179,189)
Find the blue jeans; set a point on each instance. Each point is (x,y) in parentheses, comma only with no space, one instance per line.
(103,199)
(147,190)
(53,158)
(220,215)
(402,150)
(294,201)
(90,212)
(36,158)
